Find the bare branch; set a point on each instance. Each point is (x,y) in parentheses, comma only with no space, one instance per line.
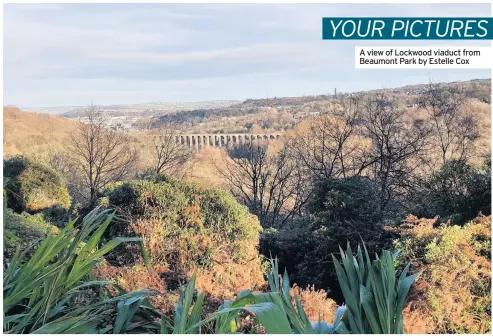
(104,156)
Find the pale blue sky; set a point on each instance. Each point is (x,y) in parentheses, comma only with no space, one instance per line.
(59,55)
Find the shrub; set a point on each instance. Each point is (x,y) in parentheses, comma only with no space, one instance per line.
(350,199)
(458,192)
(453,294)
(304,246)
(32,186)
(53,292)
(303,249)
(187,229)
(26,231)
(341,210)
(223,281)
(138,277)
(28,227)
(317,304)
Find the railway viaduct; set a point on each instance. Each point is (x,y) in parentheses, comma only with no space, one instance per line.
(222,139)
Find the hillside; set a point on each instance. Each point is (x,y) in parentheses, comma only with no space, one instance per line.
(475,88)
(284,113)
(145,109)
(32,133)
(28,133)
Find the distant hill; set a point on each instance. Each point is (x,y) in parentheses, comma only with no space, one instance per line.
(33,133)
(474,88)
(477,88)
(144,109)
(485,81)
(52,110)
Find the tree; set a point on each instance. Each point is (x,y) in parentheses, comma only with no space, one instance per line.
(103,155)
(455,130)
(169,154)
(396,147)
(458,191)
(331,146)
(272,185)
(363,136)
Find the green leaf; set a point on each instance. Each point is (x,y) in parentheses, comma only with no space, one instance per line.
(126,309)
(58,326)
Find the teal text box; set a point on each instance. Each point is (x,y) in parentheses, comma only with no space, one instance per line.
(407,28)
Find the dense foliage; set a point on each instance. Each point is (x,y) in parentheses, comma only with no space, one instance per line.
(349,209)
(458,191)
(24,230)
(33,186)
(52,290)
(341,210)
(353,198)
(453,293)
(185,229)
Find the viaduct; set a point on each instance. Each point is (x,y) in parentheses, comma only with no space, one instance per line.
(222,139)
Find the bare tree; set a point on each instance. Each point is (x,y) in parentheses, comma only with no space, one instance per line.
(331,146)
(364,136)
(102,155)
(396,146)
(454,129)
(270,184)
(169,153)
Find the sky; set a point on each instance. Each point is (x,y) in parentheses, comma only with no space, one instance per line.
(81,54)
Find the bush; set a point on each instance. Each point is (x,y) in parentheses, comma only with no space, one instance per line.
(138,277)
(458,192)
(25,231)
(342,210)
(350,199)
(54,292)
(305,248)
(302,248)
(453,293)
(32,186)
(317,304)
(187,229)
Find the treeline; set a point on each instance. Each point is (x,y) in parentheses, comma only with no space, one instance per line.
(297,106)
(479,89)
(192,118)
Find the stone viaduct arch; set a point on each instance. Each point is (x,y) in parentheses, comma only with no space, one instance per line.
(222,139)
